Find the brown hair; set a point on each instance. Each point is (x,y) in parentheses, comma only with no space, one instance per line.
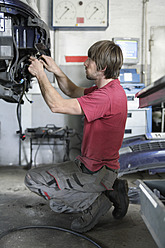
(107,55)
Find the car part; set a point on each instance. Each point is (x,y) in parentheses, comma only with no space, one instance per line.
(142,152)
(22,34)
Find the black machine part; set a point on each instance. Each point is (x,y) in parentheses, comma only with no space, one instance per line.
(22,34)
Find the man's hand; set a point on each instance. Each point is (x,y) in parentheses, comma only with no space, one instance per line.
(36,68)
(49,64)
(56,103)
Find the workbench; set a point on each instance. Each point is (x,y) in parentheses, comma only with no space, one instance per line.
(153,94)
(48,135)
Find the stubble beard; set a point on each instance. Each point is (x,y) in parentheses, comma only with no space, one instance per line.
(89,77)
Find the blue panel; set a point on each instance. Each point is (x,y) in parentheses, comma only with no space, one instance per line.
(129,76)
(132,88)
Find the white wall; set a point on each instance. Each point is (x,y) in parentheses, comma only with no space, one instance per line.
(126,19)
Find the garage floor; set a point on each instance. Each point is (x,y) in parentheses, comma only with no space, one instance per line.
(21,208)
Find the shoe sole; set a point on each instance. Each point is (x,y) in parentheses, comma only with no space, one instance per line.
(123,188)
(104,207)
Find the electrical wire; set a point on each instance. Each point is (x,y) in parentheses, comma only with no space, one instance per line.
(18,111)
(49,227)
(27,98)
(43,136)
(21,60)
(13,67)
(35,157)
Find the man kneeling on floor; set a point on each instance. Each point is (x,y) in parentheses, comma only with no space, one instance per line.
(89,184)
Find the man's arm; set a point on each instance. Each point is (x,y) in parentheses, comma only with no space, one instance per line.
(65,84)
(54,100)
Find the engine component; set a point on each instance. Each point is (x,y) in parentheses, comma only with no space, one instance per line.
(22,34)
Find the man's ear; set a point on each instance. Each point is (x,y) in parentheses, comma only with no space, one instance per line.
(104,69)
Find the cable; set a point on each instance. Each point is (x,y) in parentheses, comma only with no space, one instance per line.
(13,67)
(43,136)
(35,165)
(18,112)
(49,227)
(27,98)
(35,156)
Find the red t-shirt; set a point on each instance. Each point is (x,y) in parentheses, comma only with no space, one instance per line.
(105,112)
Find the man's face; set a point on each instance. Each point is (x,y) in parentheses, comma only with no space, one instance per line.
(91,69)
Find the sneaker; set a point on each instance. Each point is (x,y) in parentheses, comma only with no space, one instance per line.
(91,215)
(119,198)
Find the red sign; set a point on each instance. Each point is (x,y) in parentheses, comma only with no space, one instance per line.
(76,59)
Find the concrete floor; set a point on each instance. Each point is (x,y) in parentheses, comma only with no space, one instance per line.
(19,207)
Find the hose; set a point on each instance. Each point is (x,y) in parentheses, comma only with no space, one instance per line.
(49,227)
(18,111)
(13,67)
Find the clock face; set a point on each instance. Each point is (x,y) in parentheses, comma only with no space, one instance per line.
(65,11)
(80,14)
(95,11)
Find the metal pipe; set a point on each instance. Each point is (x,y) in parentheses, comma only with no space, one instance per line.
(17,37)
(146,42)
(44,8)
(24,38)
(162,123)
(142,46)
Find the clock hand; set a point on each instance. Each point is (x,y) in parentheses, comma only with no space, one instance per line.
(93,12)
(67,9)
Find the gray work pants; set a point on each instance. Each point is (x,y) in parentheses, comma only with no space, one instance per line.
(67,187)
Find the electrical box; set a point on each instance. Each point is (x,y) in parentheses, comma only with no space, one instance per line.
(139,121)
(6,38)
